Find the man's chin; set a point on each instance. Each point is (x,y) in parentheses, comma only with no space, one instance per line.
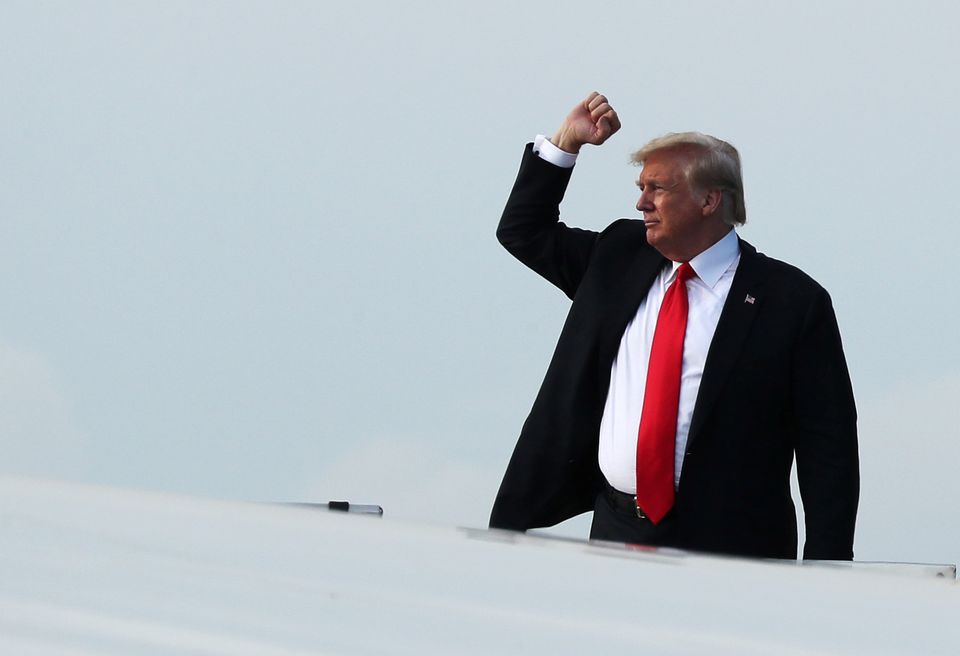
(657,239)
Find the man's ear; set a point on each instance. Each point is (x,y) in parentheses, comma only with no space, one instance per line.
(711,201)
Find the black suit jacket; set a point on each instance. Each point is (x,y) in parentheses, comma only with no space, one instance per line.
(775,383)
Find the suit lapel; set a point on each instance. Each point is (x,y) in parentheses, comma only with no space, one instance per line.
(739,310)
(620,306)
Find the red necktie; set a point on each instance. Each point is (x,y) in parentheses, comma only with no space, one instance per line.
(657,438)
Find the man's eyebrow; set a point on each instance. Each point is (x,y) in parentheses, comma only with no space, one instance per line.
(656,183)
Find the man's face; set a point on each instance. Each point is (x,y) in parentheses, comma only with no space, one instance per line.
(672,211)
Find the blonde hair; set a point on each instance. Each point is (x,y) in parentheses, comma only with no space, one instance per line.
(713,163)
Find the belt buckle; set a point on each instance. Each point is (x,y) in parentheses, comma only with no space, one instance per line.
(640,513)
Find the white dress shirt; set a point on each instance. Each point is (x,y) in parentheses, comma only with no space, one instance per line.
(706,294)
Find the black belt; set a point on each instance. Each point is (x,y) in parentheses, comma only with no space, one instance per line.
(624,502)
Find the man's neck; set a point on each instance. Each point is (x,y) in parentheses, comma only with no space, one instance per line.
(701,245)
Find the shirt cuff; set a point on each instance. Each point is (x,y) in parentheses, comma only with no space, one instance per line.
(547,151)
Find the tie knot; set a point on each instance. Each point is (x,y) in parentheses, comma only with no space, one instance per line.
(685,272)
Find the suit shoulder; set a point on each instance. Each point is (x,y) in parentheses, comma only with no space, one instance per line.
(625,227)
(788,278)
(625,232)
(623,236)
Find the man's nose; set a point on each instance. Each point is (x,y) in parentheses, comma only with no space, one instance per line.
(643,203)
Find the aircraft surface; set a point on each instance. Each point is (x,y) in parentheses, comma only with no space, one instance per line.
(98,570)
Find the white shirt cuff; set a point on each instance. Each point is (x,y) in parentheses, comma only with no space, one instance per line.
(547,151)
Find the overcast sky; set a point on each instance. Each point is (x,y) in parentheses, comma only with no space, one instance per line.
(247,249)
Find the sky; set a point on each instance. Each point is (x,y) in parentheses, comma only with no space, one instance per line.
(247,249)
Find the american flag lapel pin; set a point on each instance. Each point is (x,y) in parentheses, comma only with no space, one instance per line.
(749,299)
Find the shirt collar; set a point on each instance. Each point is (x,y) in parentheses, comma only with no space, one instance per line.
(712,263)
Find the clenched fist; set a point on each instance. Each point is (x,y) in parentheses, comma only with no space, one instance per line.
(592,121)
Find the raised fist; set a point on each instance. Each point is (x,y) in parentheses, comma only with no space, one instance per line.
(592,121)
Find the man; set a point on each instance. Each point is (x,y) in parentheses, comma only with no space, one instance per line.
(690,368)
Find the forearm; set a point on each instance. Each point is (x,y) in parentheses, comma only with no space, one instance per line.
(829,477)
(827,454)
(530,227)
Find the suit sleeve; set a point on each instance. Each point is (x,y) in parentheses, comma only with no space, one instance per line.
(826,436)
(530,228)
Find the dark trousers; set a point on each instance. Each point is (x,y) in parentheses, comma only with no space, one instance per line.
(614,523)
